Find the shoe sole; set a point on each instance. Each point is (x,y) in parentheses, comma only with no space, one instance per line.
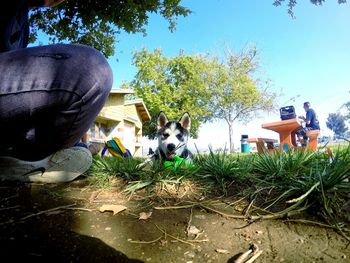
(63,166)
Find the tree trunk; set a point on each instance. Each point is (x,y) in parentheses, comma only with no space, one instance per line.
(230,130)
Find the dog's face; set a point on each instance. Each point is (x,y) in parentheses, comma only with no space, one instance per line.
(173,135)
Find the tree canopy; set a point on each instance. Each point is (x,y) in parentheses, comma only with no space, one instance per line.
(173,85)
(96,23)
(237,94)
(336,122)
(292,3)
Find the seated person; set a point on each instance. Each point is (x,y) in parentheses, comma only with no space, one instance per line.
(311,123)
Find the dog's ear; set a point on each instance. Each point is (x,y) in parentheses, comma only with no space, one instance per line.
(185,121)
(162,120)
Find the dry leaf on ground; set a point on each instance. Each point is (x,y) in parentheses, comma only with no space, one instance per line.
(192,230)
(113,208)
(144,215)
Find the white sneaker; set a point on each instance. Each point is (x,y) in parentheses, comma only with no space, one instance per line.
(62,166)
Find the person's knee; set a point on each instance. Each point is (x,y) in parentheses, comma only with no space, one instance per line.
(95,65)
(95,73)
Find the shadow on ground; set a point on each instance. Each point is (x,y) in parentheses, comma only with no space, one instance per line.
(45,237)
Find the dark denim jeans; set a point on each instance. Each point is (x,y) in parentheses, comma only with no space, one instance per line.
(49,97)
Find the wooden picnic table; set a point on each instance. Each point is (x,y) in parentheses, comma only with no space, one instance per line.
(286,130)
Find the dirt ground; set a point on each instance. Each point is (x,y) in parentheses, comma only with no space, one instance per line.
(79,232)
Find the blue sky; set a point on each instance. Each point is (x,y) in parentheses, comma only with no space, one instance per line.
(308,57)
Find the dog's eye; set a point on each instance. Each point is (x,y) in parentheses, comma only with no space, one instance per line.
(165,135)
(179,136)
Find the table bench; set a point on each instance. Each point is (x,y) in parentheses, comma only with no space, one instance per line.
(286,130)
(312,143)
(260,144)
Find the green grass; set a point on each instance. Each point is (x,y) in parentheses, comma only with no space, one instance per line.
(223,168)
(127,168)
(294,180)
(138,174)
(103,169)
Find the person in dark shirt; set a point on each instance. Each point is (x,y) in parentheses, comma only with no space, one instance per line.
(49,97)
(311,123)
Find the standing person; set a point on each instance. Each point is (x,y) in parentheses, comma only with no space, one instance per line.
(49,97)
(311,123)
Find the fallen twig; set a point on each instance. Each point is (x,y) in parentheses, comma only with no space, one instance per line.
(198,240)
(104,201)
(145,242)
(188,242)
(235,202)
(178,239)
(47,211)
(79,208)
(39,213)
(304,195)
(277,199)
(189,221)
(249,206)
(287,212)
(10,207)
(174,207)
(248,224)
(222,213)
(9,197)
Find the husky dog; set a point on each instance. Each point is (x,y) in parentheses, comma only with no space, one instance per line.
(172,137)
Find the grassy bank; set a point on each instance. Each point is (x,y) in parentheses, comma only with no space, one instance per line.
(275,185)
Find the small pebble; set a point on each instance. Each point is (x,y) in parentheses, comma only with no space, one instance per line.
(190,254)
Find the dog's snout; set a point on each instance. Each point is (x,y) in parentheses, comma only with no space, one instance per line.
(171,147)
